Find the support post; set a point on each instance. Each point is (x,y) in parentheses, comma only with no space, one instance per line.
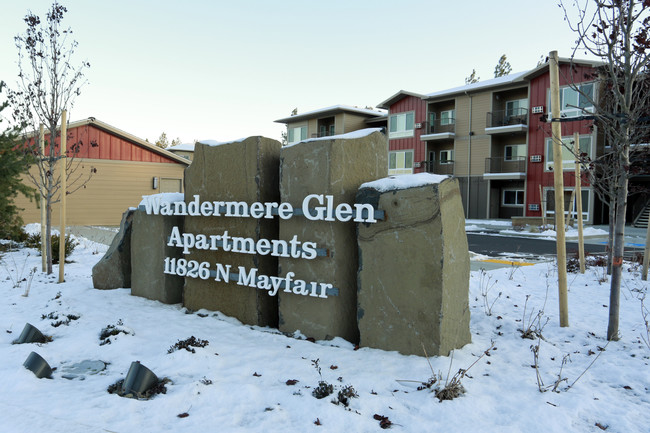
(542,206)
(558,184)
(64,175)
(578,191)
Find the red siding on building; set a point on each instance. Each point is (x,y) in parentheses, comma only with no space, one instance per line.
(95,143)
(411,103)
(539,132)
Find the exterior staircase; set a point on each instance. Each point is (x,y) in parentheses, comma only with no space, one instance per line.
(641,220)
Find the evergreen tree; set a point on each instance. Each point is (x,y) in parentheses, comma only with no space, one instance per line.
(163,141)
(13,163)
(472,78)
(503,67)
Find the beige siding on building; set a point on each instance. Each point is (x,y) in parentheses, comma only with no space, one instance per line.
(185,154)
(481,103)
(115,187)
(353,123)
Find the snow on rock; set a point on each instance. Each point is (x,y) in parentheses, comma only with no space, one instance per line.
(214,143)
(163,197)
(404,181)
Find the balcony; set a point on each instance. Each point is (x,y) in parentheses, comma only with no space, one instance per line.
(322,134)
(507,121)
(441,129)
(505,169)
(437,168)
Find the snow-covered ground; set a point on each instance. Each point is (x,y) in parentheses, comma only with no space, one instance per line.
(242,380)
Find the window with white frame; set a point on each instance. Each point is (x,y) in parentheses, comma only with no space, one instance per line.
(401,125)
(514,107)
(400,162)
(577,100)
(297,134)
(513,197)
(514,152)
(446,157)
(568,205)
(568,157)
(448,117)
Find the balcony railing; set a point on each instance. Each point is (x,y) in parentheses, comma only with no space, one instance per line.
(437,168)
(502,165)
(441,126)
(322,134)
(516,116)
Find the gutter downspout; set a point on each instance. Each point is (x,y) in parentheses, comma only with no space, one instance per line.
(469,155)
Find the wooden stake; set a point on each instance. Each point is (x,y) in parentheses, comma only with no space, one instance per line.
(41,144)
(568,214)
(646,254)
(64,175)
(578,191)
(558,184)
(542,206)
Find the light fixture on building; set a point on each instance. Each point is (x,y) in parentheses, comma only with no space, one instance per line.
(155,183)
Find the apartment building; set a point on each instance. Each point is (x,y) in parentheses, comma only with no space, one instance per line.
(492,136)
(334,120)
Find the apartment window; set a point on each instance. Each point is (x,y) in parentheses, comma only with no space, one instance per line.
(576,101)
(448,117)
(401,125)
(568,206)
(297,134)
(514,152)
(568,158)
(515,107)
(400,162)
(446,156)
(513,197)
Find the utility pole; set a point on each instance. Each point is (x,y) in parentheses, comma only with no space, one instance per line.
(558,184)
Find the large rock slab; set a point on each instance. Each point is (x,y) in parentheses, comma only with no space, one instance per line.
(148,252)
(113,271)
(336,166)
(414,266)
(245,171)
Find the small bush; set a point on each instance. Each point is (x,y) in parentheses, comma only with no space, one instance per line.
(188,344)
(322,390)
(345,395)
(111,331)
(34,241)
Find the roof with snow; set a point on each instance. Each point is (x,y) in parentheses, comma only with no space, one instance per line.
(396,97)
(495,82)
(330,111)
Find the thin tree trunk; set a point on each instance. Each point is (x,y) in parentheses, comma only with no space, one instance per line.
(610,235)
(617,259)
(48,234)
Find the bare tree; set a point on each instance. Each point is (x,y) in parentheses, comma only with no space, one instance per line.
(47,84)
(617,33)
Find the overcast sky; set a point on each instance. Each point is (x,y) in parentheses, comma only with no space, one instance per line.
(225,70)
